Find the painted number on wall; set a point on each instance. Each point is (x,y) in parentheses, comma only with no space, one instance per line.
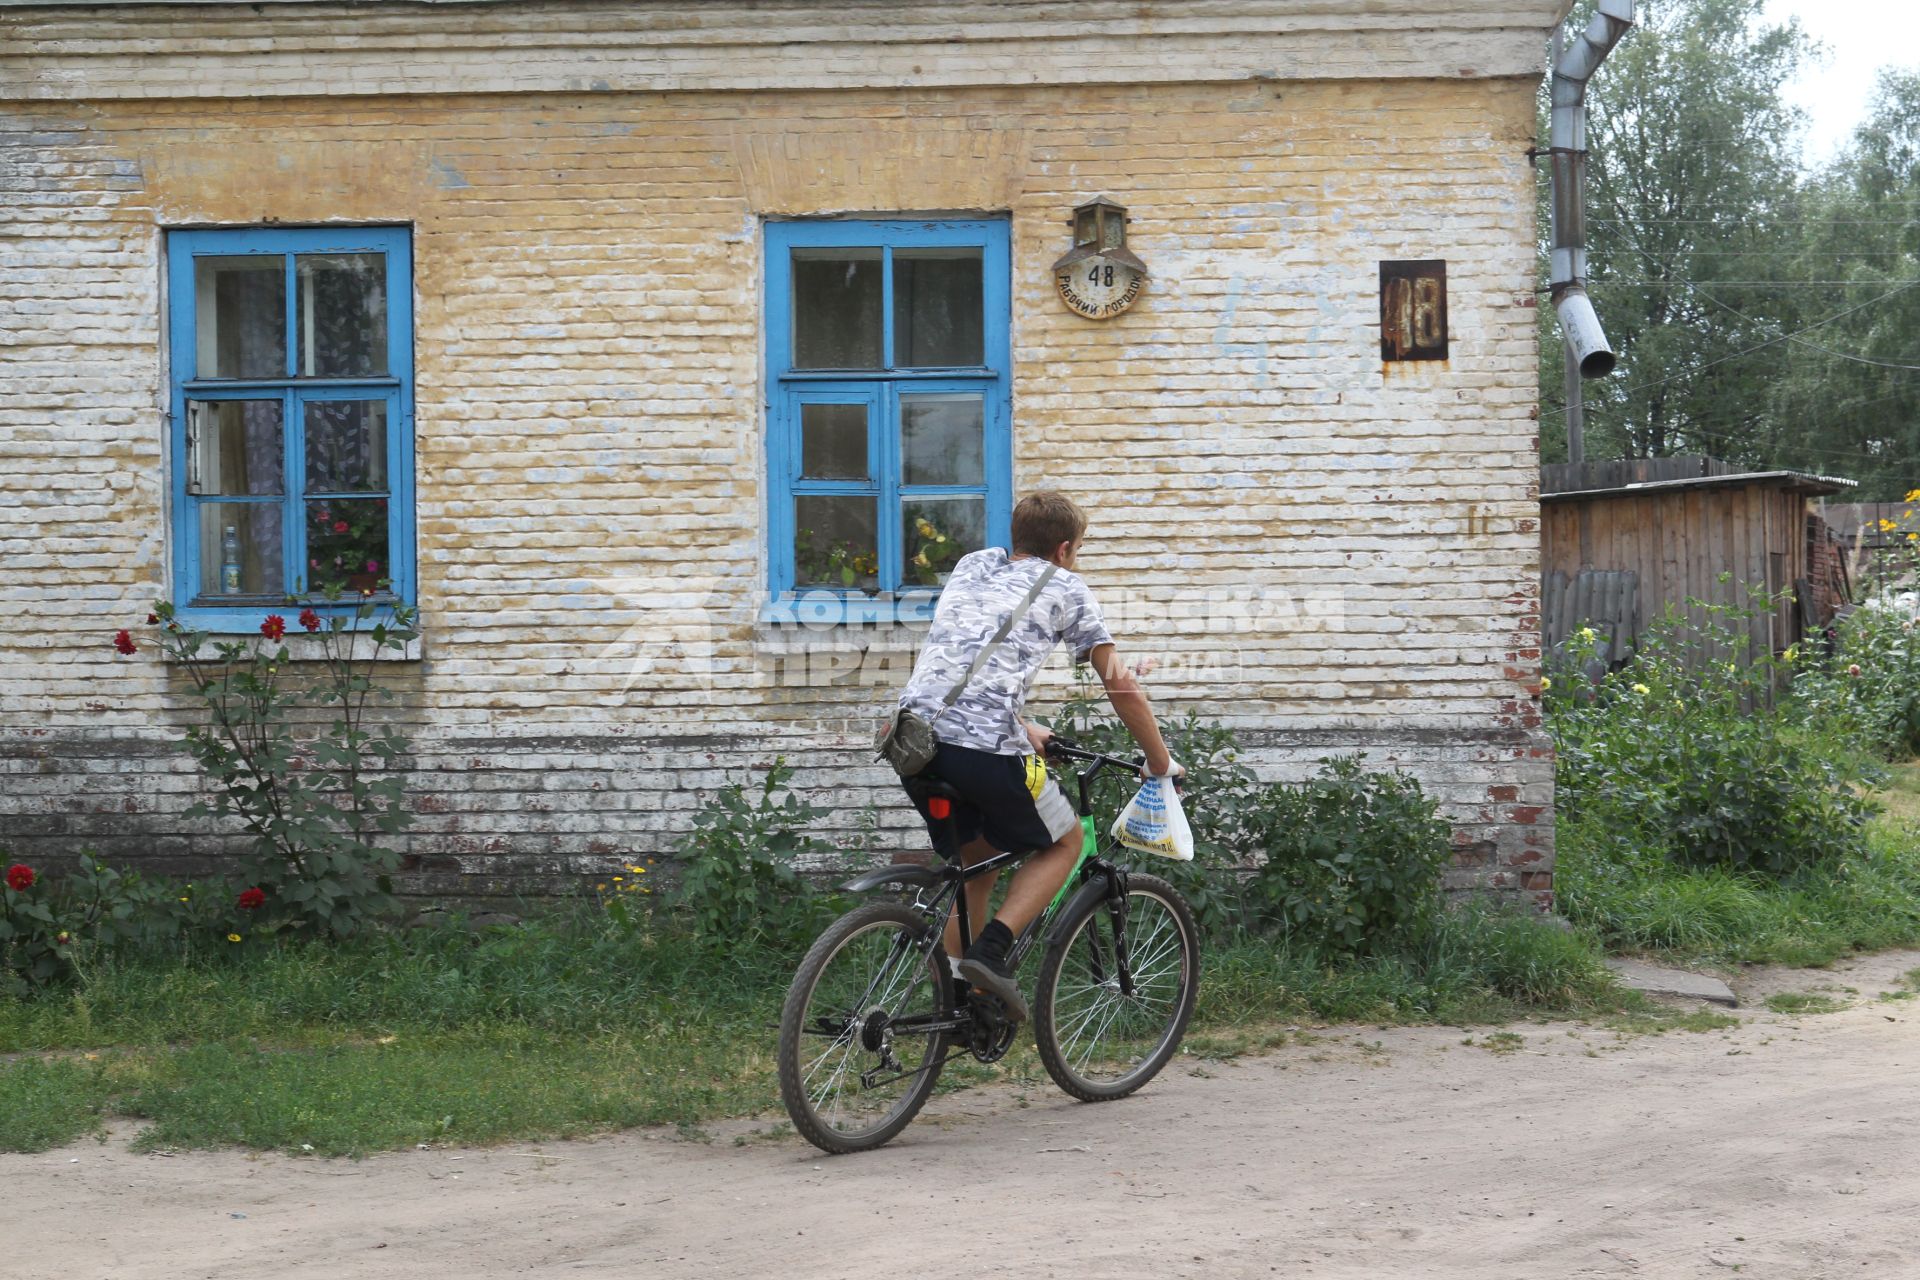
(1413,310)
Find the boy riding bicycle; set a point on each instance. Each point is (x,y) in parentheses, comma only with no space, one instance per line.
(987,751)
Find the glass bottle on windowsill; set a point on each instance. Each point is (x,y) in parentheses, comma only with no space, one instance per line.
(230,561)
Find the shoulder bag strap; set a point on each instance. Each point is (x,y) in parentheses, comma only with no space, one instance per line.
(1006,628)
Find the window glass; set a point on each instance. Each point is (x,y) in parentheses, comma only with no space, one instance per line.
(936,532)
(236,447)
(347,544)
(836,541)
(941,439)
(240,549)
(836,308)
(833,441)
(240,316)
(938,310)
(341,314)
(346,445)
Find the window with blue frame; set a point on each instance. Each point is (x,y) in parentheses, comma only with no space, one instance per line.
(889,436)
(292,417)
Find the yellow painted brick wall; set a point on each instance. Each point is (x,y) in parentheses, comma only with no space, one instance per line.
(590,417)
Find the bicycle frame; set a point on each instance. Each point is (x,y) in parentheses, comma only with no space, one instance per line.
(951,896)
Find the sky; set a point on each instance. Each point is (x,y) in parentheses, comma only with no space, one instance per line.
(1860,36)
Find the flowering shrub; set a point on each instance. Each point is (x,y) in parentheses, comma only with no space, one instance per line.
(319,796)
(1687,755)
(1869,685)
(51,927)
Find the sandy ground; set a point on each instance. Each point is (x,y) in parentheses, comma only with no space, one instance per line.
(1784,1147)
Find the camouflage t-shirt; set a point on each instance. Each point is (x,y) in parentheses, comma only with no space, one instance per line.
(985,587)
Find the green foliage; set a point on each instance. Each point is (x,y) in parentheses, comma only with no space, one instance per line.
(1685,755)
(739,877)
(56,929)
(300,761)
(1353,861)
(1348,863)
(1870,685)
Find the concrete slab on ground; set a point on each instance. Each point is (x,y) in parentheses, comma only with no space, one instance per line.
(1654,980)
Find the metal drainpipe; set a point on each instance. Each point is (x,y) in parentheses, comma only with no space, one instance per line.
(1588,355)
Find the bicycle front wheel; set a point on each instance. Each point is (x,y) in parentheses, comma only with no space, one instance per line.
(855,1064)
(1101,1037)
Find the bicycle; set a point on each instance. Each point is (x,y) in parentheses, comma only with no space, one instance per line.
(874,1011)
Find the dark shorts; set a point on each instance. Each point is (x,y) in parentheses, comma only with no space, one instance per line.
(1009,801)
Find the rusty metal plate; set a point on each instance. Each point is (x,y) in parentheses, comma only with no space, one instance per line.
(1413,310)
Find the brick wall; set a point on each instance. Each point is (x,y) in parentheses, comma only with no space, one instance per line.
(1330,555)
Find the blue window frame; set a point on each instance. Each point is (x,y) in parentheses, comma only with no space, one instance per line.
(889,437)
(291,418)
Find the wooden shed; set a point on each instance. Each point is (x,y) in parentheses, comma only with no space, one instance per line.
(1621,541)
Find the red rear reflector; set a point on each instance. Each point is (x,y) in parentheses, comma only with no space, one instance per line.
(940,807)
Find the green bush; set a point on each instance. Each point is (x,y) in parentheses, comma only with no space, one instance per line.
(739,875)
(1870,684)
(1688,755)
(1353,861)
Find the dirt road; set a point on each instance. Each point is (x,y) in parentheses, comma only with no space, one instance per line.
(1788,1146)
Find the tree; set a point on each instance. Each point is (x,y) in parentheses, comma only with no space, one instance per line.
(1694,195)
(1847,398)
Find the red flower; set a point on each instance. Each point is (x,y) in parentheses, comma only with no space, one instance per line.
(251,899)
(20,877)
(153,619)
(321,517)
(339,526)
(373,566)
(274,627)
(123,642)
(309,619)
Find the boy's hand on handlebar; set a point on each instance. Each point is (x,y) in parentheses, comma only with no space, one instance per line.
(1039,736)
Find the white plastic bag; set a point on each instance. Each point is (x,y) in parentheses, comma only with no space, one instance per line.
(1154,822)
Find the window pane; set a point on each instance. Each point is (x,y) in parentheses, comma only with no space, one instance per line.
(346,446)
(836,542)
(836,308)
(236,446)
(240,316)
(938,310)
(833,441)
(240,549)
(347,544)
(936,532)
(342,314)
(941,439)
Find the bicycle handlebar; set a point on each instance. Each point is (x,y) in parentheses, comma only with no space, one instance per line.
(1063,748)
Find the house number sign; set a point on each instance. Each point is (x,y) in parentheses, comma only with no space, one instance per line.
(1099,277)
(1099,287)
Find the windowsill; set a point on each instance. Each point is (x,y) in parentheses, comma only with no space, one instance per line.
(229,624)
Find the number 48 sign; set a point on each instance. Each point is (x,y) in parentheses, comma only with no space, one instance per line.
(1413,310)
(1098,287)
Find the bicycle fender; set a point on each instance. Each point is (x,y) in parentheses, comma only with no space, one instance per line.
(901,873)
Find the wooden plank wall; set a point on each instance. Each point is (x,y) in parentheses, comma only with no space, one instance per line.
(1680,541)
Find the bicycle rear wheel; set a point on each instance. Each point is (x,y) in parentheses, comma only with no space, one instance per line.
(1097,1041)
(871,968)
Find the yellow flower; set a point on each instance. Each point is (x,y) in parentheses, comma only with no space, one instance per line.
(923,528)
(1640,688)
(183,899)
(1888,526)
(618,879)
(1792,652)
(599,888)
(1546,682)
(1912,497)
(1585,634)
(233,937)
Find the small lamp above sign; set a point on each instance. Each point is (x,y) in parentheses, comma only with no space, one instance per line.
(1099,277)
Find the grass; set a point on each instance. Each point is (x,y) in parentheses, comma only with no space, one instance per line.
(567,1027)
(1804,1002)
(1720,917)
